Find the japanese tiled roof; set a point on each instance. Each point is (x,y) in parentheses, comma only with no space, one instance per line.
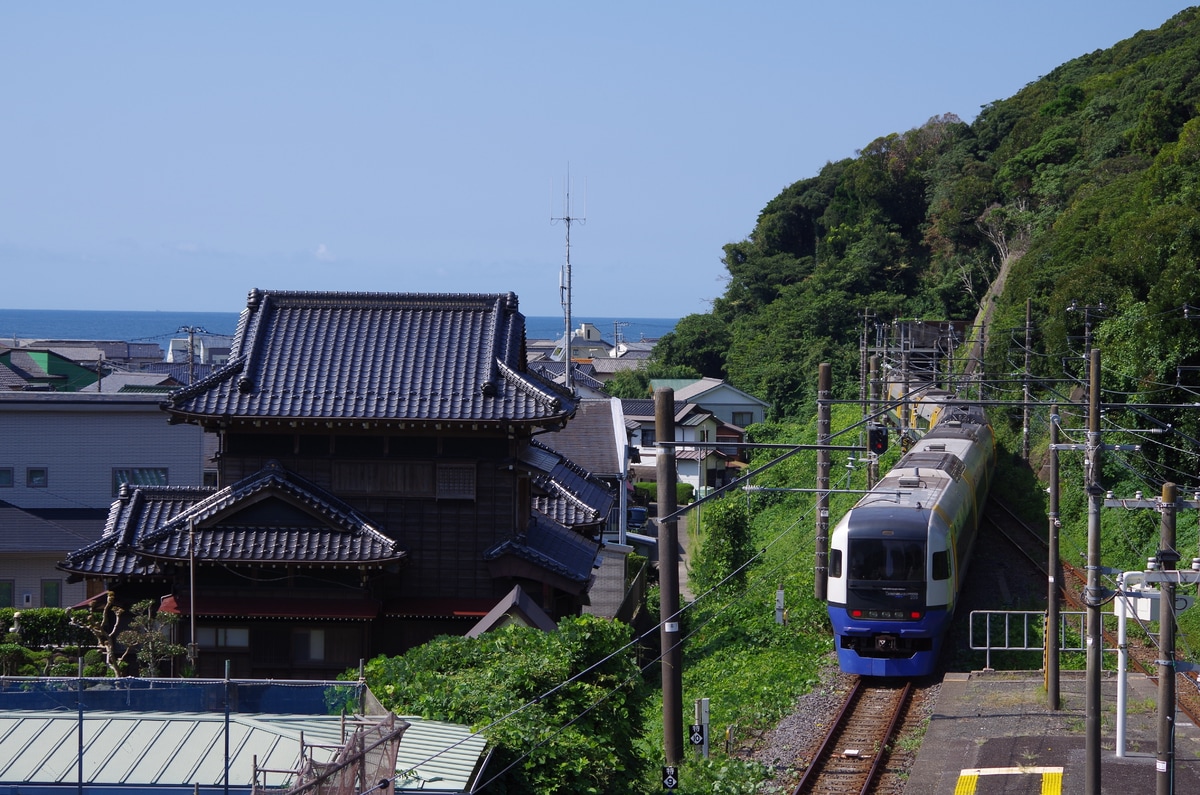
(564,491)
(147,527)
(644,407)
(553,547)
(382,358)
(581,374)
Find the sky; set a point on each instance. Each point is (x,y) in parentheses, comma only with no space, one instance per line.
(172,156)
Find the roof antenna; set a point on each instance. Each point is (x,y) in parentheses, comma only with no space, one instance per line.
(564,282)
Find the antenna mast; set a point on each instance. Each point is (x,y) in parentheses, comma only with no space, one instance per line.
(564,286)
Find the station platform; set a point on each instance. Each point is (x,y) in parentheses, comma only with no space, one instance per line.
(992,733)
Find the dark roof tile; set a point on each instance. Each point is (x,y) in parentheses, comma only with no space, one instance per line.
(377,357)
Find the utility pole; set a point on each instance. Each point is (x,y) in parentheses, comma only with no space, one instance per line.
(1052,565)
(1093,597)
(670,639)
(192,331)
(564,286)
(824,385)
(1025,391)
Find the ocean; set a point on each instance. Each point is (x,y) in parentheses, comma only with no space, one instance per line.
(160,327)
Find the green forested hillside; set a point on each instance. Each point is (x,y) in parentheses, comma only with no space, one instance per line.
(1087,182)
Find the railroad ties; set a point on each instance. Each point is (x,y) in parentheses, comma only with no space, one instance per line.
(851,754)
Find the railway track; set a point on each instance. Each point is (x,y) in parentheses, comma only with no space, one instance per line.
(1143,655)
(850,758)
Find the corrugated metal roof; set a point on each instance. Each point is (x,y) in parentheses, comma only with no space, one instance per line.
(180,750)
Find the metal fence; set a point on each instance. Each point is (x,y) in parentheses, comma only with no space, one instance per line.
(1023,630)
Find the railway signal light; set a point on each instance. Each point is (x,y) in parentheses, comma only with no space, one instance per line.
(877,439)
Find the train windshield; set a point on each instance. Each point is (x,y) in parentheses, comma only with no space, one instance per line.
(887,559)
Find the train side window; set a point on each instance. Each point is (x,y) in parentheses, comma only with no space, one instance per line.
(835,563)
(941,565)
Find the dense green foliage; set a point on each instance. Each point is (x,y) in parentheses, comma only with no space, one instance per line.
(559,707)
(1087,182)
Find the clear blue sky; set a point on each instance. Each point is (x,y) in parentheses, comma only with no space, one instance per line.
(172,156)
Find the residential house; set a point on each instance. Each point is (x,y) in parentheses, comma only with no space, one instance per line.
(727,403)
(697,459)
(93,353)
(378,485)
(586,343)
(42,369)
(63,459)
(583,378)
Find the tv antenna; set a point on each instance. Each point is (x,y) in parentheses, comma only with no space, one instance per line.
(564,279)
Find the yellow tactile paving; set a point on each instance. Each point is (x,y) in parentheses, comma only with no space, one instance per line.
(968,779)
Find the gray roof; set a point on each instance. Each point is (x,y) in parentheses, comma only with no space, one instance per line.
(148,525)
(569,494)
(381,357)
(553,547)
(174,751)
(594,438)
(57,530)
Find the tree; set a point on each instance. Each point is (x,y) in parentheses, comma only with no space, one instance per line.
(104,626)
(698,342)
(561,709)
(146,636)
(149,634)
(727,546)
(634,383)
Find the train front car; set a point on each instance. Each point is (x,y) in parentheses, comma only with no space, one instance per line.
(897,559)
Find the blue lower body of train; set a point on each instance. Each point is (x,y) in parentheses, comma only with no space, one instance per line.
(888,648)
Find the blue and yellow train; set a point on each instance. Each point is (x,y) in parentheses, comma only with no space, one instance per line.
(898,558)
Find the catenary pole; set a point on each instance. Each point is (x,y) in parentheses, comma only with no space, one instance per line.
(670,638)
(872,460)
(1052,566)
(1165,766)
(824,383)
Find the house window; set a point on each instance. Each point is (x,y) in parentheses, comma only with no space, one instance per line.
(8,593)
(37,477)
(456,481)
(223,637)
(308,645)
(743,418)
(138,476)
(51,593)
(6,477)
(648,438)
(210,478)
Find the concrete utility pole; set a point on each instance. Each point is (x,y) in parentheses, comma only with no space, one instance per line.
(1052,565)
(670,639)
(192,331)
(1028,348)
(824,385)
(1093,597)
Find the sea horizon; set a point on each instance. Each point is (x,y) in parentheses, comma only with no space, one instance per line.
(161,326)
